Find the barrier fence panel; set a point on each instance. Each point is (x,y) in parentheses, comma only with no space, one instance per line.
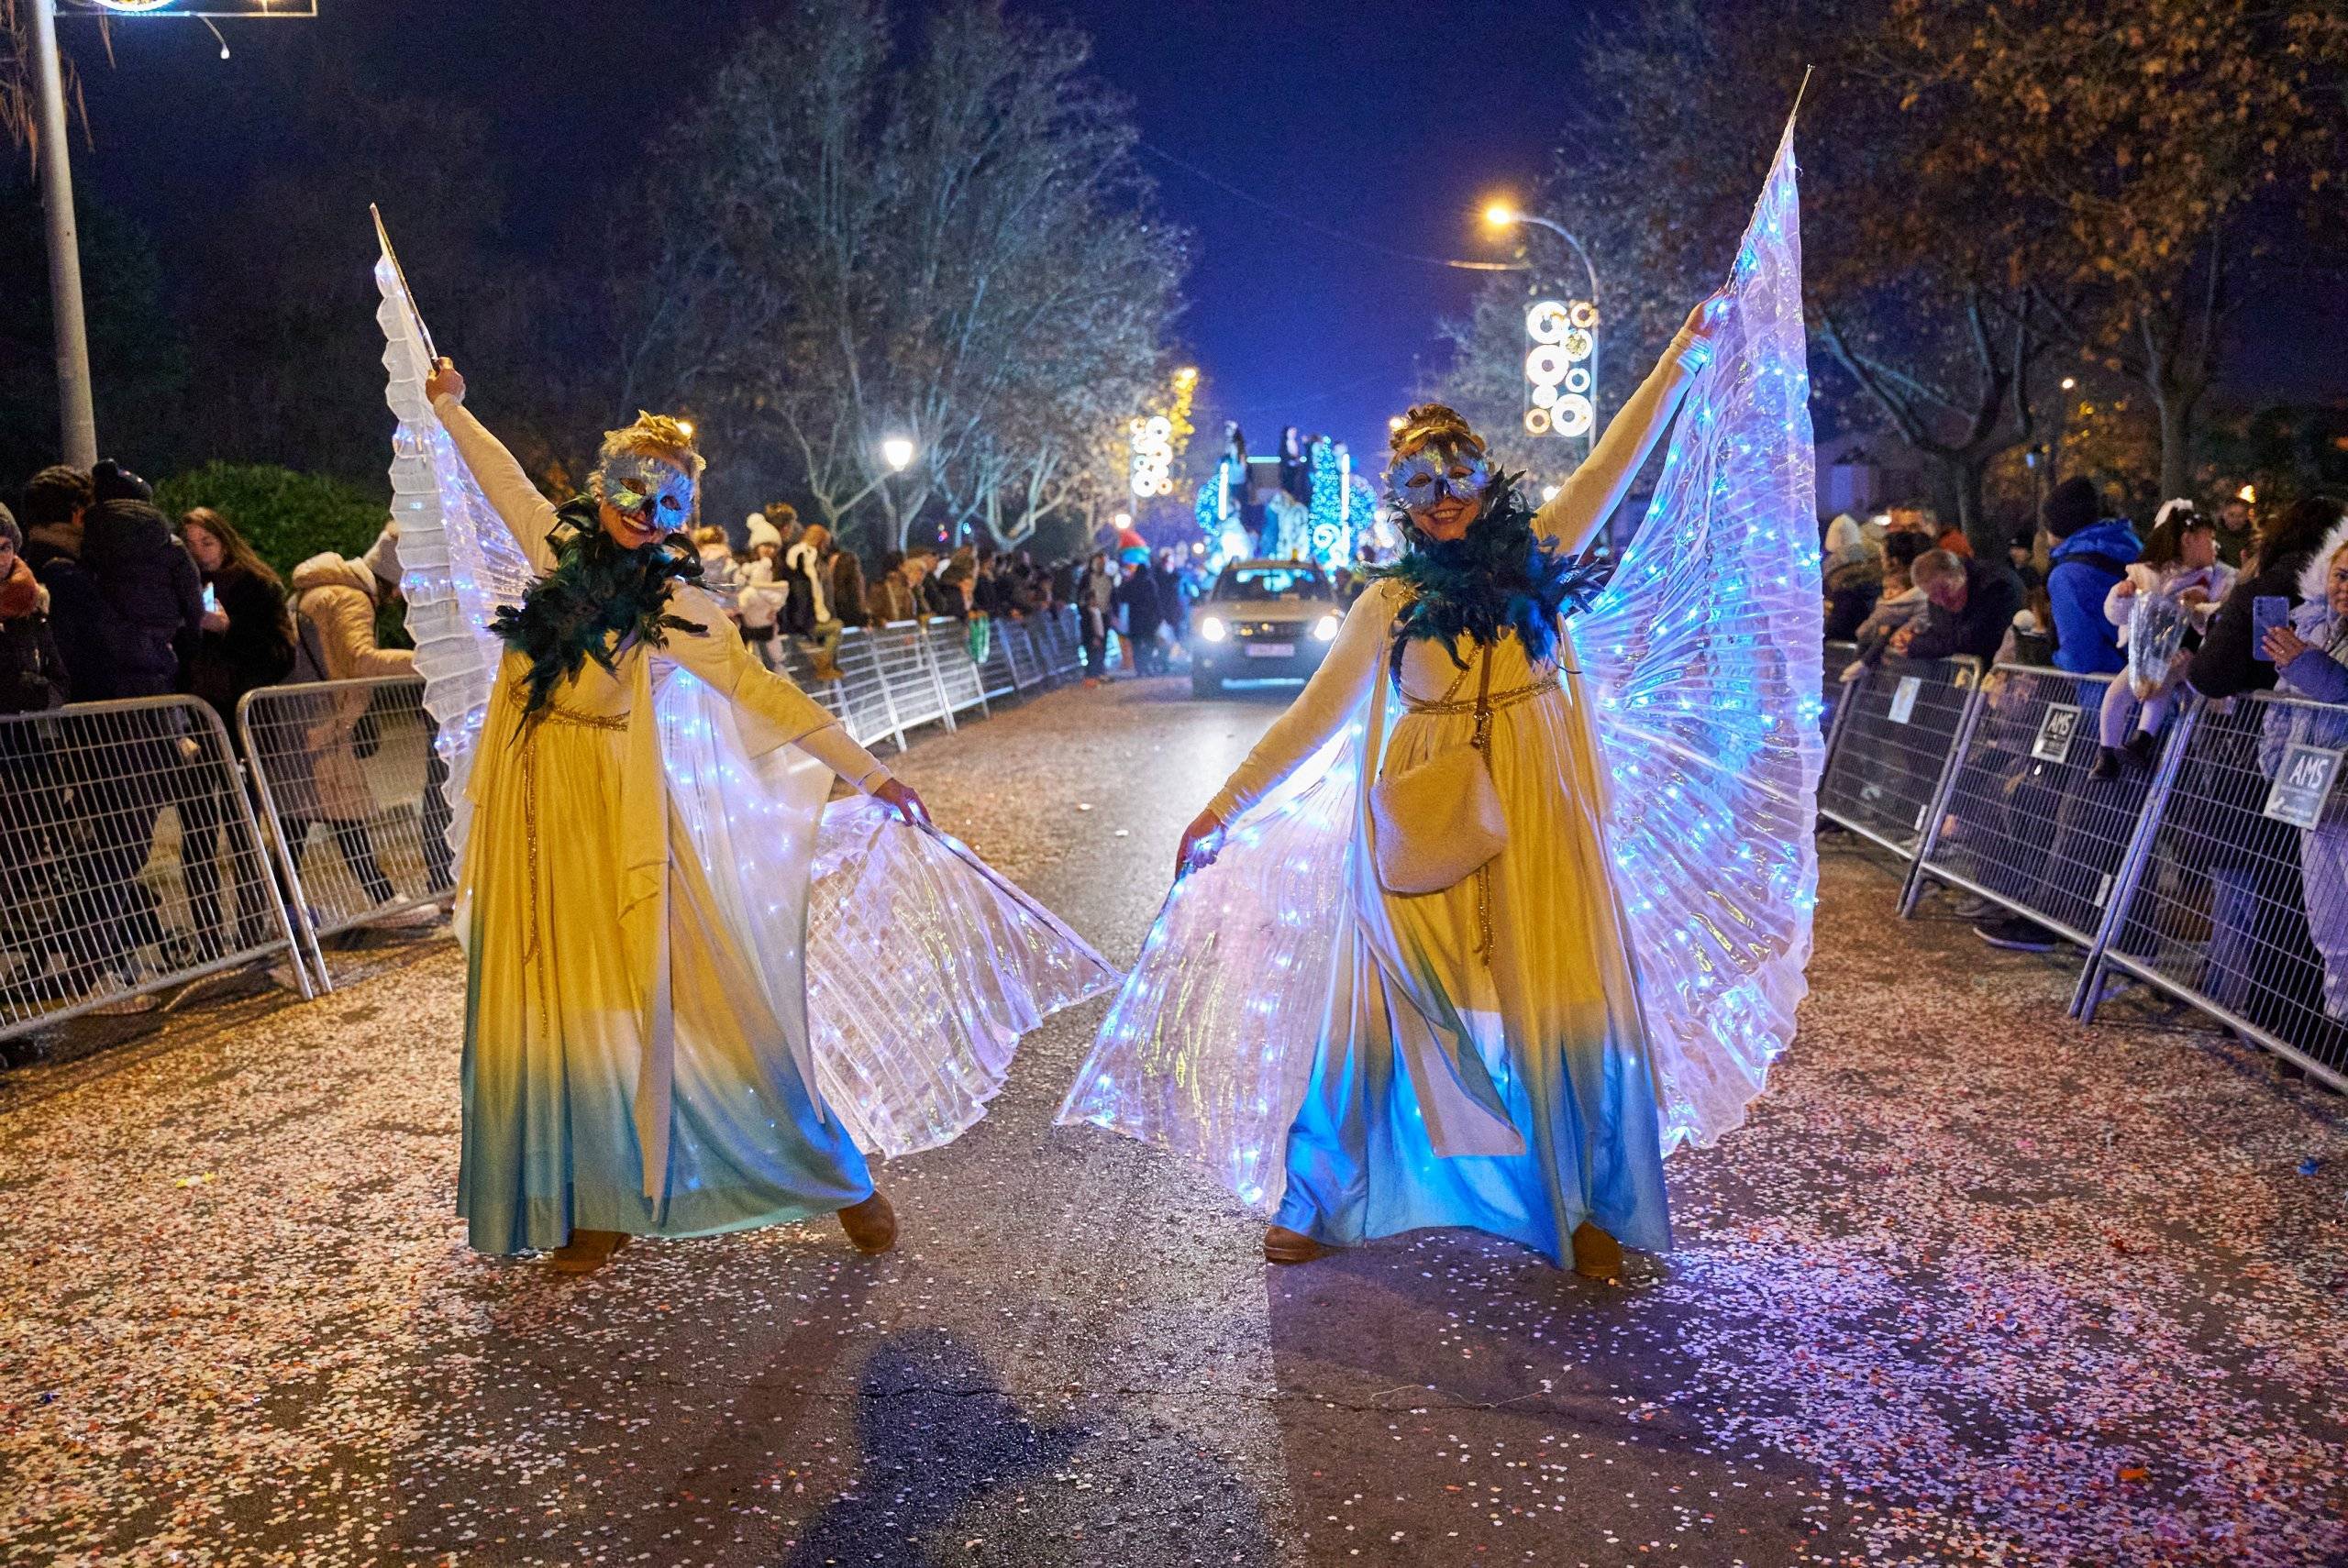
(1894,741)
(130,858)
(2238,901)
(948,641)
(1066,657)
(2022,821)
(863,698)
(996,675)
(1019,645)
(352,784)
(902,654)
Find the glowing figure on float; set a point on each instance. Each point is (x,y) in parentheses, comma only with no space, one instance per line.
(1519,1050)
(697,996)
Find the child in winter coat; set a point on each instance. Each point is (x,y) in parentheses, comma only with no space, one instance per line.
(2162,606)
(2310,658)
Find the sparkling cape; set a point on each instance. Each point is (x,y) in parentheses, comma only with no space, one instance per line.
(1702,656)
(922,966)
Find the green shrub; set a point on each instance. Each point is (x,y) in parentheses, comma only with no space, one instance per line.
(288,516)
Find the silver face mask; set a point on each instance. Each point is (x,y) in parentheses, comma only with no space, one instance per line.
(657,491)
(1433,471)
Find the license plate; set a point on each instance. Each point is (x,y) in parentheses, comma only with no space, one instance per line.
(1271,650)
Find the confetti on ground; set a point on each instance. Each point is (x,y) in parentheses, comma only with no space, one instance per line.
(1977,1285)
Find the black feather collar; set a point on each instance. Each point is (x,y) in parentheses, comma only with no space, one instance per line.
(599,598)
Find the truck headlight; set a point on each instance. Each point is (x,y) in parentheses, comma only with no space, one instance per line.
(1324,630)
(1213,630)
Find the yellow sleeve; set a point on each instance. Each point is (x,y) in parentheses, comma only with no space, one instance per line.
(768,708)
(528,516)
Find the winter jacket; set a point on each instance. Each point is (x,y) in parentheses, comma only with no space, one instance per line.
(32,674)
(1891,612)
(2169,581)
(762,596)
(2227,664)
(334,618)
(2086,568)
(803,568)
(256,650)
(79,619)
(847,589)
(1853,586)
(2320,674)
(1138,597)
(893,599)
(151,583)
(1992,596)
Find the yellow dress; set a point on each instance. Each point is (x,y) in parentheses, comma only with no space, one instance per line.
(624,1066)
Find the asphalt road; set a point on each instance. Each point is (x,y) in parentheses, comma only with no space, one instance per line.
(1976,1286)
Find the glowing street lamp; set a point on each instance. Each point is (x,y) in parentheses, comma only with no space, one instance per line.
(897,451)
(1393,423)
(1561,354)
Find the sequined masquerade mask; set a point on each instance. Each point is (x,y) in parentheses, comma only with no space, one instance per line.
(1436,471)
(645,487)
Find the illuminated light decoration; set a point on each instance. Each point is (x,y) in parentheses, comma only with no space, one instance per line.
(1556,373)
(1329,471)
(1699,657)
(1153,456)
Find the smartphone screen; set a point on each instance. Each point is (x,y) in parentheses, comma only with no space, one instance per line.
(211,598)
(2266,611)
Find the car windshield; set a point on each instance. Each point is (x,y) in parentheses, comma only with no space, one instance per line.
(1292,584)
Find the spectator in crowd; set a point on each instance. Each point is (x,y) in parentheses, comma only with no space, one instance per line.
(2236,529)
(846,583)
(57,503)
(1852,578)
(1136,597)
(32,673)
(1901,601)
(1971,604)
(2260,960)
(930,596)
(2310,658)
(2090,556)
(335,600)
(1172,603)
(893,595)
(246,642)
(2166,598)
(1096,594)
(147,579)
(957,583)
(2022,554)
(719,573)
(763,592)
(809,613)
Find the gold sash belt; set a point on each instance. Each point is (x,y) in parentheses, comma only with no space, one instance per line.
(1495,701)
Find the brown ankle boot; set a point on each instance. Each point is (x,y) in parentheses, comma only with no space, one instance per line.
(1597,1256)
(1282,1246)
(871,1225)
(587,1251)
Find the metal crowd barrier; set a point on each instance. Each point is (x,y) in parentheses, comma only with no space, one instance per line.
(1895,734)
(1837,658)
(130,859)
(2234,895)
(351,782)
(2216,874)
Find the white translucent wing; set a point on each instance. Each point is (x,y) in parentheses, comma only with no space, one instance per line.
(459,561)
(1704,654)
(1211,1042)
(924,966)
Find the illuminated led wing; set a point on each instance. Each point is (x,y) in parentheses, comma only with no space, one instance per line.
(458,561)
(1704,653)
(1209,1046)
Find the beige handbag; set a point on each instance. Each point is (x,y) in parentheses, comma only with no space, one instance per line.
(1440,822)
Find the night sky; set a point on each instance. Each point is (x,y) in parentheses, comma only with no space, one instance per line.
(1372,118)
(1332,121)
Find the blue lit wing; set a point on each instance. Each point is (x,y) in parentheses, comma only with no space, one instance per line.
(458,560)
(1704,654)
(1211,1042)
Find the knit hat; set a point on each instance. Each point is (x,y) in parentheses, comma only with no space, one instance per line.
(8,529)
(111,481)
(382,557)
(762,532)
(2073,505)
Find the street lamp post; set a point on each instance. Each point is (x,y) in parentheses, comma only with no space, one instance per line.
(78,420)
(1499,215)
(1503,216)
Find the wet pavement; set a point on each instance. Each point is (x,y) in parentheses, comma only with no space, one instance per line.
(1976,1285)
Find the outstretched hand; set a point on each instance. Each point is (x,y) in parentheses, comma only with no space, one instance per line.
(902,801)
(1708,314)
(444,378)
(1200,842)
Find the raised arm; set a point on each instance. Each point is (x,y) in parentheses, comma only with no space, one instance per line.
(528,514)
(1585,501)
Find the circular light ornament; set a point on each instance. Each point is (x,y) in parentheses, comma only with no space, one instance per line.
(1576,345)
(1573,416)
(1545,322)
(1582,313)
(1544,394)
(1577,378)
(1546,365)
(1537,422)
